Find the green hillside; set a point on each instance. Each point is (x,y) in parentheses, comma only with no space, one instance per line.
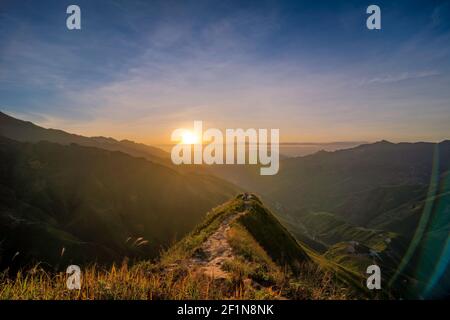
(329,229)
(391,198)
(238,251)
(263,256)
(82,204)
(260,223)
(357,184)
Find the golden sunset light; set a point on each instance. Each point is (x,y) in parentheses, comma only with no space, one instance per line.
(189,137)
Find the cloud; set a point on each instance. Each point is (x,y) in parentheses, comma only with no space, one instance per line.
(440,14)
(397,77)
(145,71)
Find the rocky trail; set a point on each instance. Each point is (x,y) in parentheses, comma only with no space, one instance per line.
(216,250)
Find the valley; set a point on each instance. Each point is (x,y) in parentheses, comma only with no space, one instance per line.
(222,258)
(71,199)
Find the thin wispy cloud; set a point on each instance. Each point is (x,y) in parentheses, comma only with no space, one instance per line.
(403,76)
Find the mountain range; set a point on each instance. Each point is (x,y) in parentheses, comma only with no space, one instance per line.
(66,198)
(69,199)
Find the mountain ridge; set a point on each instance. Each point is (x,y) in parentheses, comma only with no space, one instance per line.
(26,131)
(240,240)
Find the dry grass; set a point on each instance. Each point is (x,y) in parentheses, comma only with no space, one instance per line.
(253,274)
(138,282)
(145,281)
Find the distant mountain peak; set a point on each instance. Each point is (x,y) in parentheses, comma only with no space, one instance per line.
(385,142)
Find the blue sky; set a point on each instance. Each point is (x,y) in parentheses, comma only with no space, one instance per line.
(139,69)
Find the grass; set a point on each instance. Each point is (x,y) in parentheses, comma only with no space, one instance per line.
(140,282)
(187,246)
(144,281)
(258,268)
(254,263)
(272,235)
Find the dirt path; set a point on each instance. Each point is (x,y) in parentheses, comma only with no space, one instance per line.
(216,250)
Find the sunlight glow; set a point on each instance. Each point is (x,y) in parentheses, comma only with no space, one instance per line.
(190,138)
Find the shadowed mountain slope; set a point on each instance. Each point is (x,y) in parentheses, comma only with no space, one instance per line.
(62,203)
(241,239)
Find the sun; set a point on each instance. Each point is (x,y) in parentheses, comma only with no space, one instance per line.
(189,138)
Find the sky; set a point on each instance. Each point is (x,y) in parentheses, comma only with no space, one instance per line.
(140,69)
